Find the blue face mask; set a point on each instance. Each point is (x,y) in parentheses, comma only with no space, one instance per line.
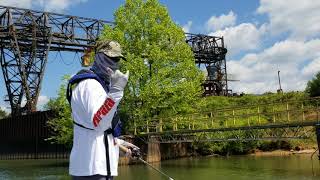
(100,67)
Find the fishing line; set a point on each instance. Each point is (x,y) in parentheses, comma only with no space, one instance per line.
(54,59)
(138,156)
(312,161)
(61,58)
(154,168)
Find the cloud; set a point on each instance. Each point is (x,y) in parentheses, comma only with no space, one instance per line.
(245,36)
(186,28)
(24,101)
(217,23)
(58,5)
(47,5)
(299,18)
(296,55)
(297,61)
(17,3)
(312,68)
(42,101)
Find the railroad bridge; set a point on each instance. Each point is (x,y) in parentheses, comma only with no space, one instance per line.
(285,120)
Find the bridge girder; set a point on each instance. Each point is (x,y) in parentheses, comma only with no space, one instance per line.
(26,37)
(256,133)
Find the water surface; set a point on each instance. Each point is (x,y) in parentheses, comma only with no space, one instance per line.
(295,167)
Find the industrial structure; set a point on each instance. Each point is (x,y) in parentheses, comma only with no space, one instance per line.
(27,37)
(210,52)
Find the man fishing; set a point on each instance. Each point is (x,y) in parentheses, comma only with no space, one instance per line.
(94,96)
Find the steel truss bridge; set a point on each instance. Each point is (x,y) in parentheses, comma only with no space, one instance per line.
(27,37)
(275,121)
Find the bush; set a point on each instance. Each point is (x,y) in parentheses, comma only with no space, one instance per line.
(313,86)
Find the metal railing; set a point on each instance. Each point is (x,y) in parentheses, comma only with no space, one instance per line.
(247,116)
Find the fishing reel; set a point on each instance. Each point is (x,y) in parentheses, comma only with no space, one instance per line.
(135,153)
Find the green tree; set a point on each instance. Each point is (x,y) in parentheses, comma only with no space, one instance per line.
(3,114)
(163,77)
(62,124)
(313,86)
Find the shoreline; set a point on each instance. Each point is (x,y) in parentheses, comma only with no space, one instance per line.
(283,152)
(258,153)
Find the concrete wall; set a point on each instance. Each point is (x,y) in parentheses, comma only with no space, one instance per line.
(155,152)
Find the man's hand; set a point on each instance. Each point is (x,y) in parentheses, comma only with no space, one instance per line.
(135,153)
(131,151)
(130,145)
(128,153)
(119,80)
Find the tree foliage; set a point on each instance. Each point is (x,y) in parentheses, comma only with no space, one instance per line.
(62,124)
(3,114)
(313,86)
(163,77)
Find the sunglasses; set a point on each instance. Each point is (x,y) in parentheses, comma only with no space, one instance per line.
(117,59)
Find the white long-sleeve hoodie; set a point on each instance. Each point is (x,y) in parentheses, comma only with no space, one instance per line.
(93,108)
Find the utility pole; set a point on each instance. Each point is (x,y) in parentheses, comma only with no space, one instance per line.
(280,89)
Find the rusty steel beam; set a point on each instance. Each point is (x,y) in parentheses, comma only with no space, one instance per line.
(301,130)
(210,52)
(26,37)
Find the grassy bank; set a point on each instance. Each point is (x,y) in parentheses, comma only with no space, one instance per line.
(242,148)
(277,103)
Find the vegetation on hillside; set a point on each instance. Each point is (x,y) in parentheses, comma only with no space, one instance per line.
(313,86)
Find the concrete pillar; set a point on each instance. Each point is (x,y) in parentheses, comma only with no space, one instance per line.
(153,151)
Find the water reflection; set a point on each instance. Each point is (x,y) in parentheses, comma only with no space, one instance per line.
(205,168)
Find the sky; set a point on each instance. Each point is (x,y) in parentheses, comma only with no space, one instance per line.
(262,38)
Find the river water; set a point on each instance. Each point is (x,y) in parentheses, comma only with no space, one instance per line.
(295,167)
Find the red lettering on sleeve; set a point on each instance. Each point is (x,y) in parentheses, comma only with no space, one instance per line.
(99,112)
(95,120)
(103,110)
(108,108)
(110,102)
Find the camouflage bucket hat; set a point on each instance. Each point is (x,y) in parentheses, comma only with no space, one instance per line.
(110,48)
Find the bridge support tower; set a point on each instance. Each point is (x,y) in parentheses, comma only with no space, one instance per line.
(210,52)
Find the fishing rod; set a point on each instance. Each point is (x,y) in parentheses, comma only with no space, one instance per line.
(145,162)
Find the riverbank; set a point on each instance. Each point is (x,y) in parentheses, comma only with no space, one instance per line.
(182,150)
(283,152)
(156,152)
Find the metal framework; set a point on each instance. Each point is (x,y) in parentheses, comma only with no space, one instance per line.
(274,121)
(210,52)
(253,133)
(26,37)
